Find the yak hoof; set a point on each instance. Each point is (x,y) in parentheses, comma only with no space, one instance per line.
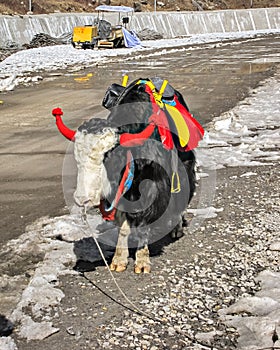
(142,262)
(120,267)
(139,269)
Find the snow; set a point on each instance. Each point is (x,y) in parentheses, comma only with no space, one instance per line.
(248,134)
(20,67)
(206,213)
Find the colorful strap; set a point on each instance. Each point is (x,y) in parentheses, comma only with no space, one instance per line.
(125,184)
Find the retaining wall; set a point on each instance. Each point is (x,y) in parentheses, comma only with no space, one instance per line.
(21,29)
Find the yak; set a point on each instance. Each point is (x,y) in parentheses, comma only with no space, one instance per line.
(136,166)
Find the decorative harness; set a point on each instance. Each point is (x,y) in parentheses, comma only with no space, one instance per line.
(172,120)
(177,128)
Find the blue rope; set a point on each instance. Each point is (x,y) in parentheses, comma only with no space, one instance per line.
(170,103)
(127,184)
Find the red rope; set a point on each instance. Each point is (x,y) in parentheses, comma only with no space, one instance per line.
(110,215)
(132,140)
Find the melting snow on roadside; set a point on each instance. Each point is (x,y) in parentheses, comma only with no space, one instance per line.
(21,67)
(248,134)
(63,241)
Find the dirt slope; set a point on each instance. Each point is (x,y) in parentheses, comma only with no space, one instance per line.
(50,6)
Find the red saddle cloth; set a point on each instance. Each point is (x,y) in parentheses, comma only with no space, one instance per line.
(175,124)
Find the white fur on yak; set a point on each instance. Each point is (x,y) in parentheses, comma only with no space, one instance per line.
(92,182)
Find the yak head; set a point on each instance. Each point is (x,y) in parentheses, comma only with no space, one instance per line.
(92,140)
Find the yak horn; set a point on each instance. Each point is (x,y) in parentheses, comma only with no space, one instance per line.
(65,131)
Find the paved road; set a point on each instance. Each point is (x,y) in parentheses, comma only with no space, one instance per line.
(212,80)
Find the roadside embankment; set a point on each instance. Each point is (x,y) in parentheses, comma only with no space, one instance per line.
(21,29)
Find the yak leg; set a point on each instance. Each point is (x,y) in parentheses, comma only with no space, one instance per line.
(177,231)
(142,261)
(120,259)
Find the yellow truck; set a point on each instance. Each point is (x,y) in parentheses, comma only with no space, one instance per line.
(101,33)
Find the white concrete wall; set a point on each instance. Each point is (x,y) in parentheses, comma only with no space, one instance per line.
(187,23)
(21,29)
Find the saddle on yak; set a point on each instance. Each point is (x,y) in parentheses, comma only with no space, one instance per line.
(170,115)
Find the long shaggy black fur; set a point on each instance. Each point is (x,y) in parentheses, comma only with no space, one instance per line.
(149,206)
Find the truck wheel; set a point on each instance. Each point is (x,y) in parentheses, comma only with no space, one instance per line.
(118,42)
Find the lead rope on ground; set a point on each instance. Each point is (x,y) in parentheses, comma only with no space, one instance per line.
(135,307)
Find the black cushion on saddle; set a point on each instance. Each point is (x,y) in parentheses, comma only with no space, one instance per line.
(111,95)
(114,92)
(169,91)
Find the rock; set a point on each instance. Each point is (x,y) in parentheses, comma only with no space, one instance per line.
(206,337)
(36,331)
(171,331)
(148,34)
(43,39)
(137,6)
(260,306)
(6,326)
(275,246)
(7,344)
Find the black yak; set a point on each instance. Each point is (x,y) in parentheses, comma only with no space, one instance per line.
(138,165)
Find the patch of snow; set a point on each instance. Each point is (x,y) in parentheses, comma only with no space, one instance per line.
(249,173)
(7,343)
(206,213)
(26,63)
(256,317)
(248,134)
(42,295)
